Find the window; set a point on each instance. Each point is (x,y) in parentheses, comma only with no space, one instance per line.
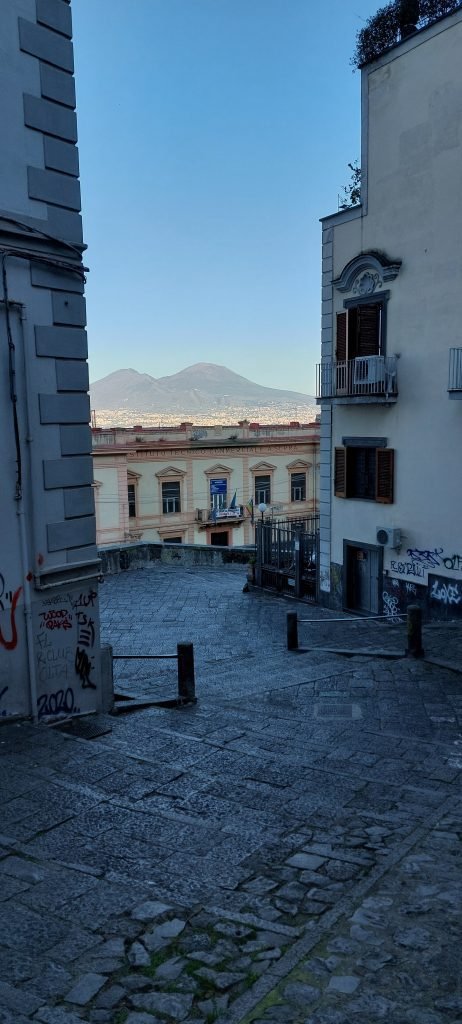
(171,501)
(360,331)
(218,493)
(262,490)
(364,471)
(131,493)
(298,486)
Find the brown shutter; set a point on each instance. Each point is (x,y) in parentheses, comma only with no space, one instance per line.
(369,317)
(341,337)
(384,475)
(340,474)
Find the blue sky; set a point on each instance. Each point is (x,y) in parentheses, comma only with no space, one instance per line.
(213,135)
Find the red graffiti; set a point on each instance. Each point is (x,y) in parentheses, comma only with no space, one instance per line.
(58,618)
(10,645)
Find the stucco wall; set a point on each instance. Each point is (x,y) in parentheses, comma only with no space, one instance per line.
(412,160)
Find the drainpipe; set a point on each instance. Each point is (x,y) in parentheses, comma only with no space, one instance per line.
(26,567)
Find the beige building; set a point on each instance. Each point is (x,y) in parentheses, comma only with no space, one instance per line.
(197,485)
(391,487)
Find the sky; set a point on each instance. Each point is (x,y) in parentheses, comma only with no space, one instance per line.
(213,136)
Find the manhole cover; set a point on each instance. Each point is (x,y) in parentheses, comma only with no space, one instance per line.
(337,711)
(85,728)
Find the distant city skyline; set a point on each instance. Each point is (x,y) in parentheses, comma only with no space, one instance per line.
(213,136)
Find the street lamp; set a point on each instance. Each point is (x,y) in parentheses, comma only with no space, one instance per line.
(262,508)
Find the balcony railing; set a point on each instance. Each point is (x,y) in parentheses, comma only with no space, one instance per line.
(369,377)
(455,372)
(208,515)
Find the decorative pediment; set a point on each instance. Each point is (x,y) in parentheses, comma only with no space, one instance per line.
(262,467)
(367,273)
(131,475)
(172,472)
(300,465)
(218,470)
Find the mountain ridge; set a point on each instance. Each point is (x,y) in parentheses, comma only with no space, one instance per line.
(200,386)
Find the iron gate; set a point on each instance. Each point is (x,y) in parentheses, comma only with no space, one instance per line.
(287,556)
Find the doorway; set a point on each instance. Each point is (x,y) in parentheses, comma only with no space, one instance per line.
(363,565)
(220,538)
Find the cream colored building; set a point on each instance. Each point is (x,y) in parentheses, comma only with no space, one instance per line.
(391,485)
(195,485)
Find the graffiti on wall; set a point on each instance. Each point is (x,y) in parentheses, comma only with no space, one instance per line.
(420,560)
(446,593)
(65,639)
(398,594)
(8,604)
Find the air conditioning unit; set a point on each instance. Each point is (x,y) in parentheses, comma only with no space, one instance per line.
(388,536)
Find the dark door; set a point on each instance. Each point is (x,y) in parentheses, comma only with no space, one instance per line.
(220,538)
(362,583)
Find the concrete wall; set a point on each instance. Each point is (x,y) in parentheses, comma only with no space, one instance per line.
(412,211)
(48,557)
(124,557)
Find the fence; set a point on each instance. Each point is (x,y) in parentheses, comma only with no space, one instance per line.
(287,556)
(186,678)
(412,622)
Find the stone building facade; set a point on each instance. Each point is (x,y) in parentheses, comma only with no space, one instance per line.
(197,485)
(391,487)
(49,630)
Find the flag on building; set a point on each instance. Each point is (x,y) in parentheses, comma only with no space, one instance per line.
(249,508)
(233,503)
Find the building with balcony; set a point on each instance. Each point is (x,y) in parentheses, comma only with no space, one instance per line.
(390,480)
(202,485)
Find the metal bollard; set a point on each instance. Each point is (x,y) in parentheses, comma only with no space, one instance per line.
(186,679)
(292,631)
(414,632)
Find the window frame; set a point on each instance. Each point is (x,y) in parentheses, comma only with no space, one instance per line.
(168,498)
(384,475)
(301,487)
(265,489)
(344,322)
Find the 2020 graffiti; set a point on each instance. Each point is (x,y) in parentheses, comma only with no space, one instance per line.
(59,703)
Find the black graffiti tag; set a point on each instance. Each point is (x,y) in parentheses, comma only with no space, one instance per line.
(83,668)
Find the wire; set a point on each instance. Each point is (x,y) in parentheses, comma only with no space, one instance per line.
(12,380)
(42,234)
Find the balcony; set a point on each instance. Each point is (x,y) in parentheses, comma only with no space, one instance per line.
(455,373)
(208,516)
(366,379)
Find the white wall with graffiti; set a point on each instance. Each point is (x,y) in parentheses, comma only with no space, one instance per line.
(410,217)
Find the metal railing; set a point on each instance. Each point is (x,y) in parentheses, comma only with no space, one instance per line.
(455,369)
(365,376)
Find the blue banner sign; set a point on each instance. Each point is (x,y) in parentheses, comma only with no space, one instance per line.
(218,486)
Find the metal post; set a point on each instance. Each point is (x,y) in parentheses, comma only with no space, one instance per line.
(186,680)
(414,632)
(292,631)
(298,559)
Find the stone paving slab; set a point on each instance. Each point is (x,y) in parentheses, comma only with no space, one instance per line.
(288,849)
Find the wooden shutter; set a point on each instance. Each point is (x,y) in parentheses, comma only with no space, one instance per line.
(384,475)
(341,348)
(340,473)
(368,331)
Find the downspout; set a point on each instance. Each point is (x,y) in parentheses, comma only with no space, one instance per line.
(23,535)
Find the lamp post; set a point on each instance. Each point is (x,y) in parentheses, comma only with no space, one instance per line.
(262,508)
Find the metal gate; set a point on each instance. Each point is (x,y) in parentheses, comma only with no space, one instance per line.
(287,557)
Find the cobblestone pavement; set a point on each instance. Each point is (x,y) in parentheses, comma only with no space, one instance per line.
(288,849)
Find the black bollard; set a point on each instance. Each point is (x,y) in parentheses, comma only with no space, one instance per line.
(414,632)
(186,680)
(292,631)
